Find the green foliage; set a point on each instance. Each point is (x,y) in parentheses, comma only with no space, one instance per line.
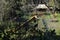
(15,14)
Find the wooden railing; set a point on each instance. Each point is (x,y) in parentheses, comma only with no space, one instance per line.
(26,23)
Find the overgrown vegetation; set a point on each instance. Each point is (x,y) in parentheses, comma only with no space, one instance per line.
(15,23)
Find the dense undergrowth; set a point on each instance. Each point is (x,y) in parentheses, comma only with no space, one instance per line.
(16,13)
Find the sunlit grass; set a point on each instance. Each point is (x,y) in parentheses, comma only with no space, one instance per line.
(57,24)
(57,27)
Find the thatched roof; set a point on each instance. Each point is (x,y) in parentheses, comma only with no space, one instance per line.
(41,6)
